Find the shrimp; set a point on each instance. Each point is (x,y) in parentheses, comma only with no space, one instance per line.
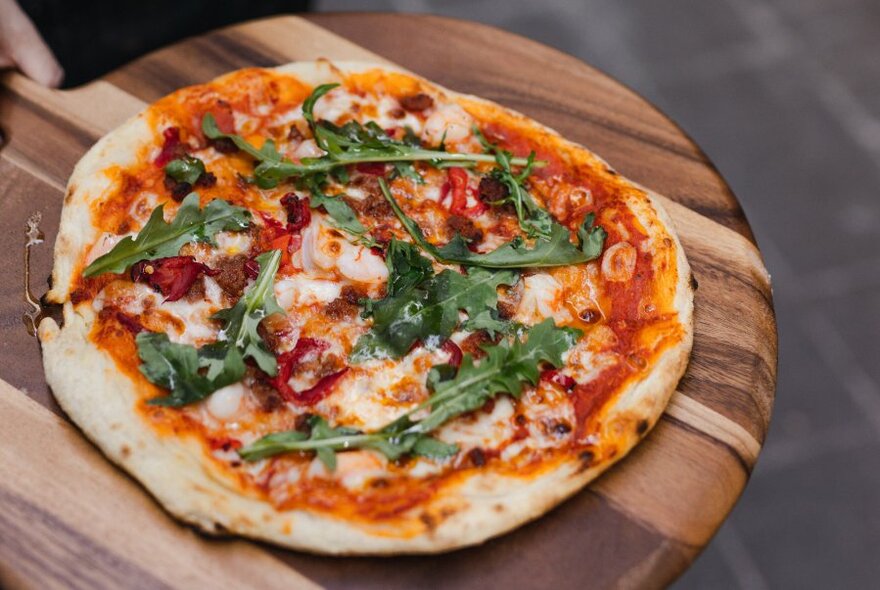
(448,123)
(325,250)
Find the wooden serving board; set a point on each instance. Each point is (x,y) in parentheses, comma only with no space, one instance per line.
(70,519)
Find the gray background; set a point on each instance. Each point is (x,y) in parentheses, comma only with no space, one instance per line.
(784,96)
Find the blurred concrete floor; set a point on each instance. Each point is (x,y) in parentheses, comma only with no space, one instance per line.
(784,96)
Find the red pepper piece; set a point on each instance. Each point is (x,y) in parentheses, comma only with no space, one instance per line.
(282,243)
(373,168)
(319,391)
(299,213)
(457,178)
(289,360)
(272,228)
(251,268)
(454,352)
(172,276)
(171,147)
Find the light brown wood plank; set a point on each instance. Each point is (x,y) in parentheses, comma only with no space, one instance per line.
(69,520)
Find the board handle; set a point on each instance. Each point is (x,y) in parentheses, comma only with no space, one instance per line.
(97,106)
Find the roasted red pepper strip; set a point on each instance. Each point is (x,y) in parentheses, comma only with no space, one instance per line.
(458,179)
(454,352)
(171,147)
(319,391)
(288,361)
(282,243)
(172,276)
(299,213)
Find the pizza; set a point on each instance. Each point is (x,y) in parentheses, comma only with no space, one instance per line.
(340,308)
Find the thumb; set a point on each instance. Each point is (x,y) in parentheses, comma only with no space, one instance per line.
(28,50)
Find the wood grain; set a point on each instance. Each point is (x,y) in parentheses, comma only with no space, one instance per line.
(66,518)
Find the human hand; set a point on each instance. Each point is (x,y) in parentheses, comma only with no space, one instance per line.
(22,47)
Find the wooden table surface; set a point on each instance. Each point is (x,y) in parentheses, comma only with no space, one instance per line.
(69,519)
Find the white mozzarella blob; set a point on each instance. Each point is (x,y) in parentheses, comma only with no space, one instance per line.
(233,243)
(353,468)
(225,403)
(334,104)
(542,298)
(371,396)
(451,120)
(619,262)
(308,149)
(488,431)
(299,290)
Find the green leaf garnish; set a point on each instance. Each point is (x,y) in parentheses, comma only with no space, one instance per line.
(489,321)
(556,250)
(190,374)
(186,169)
(506,368)
(158,239)
(351,143)
(406,267)
(428,312)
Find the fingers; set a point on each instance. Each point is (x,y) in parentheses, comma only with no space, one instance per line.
(23,47)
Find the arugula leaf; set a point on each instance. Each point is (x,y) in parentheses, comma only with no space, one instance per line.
(257,303)
(406,267)
(325,441)
(506,368)
(158,239)
(428,312)
(557,250)
(186,169)
(172,366)
(191,374)
(342,216)
(489,321)
(350,143)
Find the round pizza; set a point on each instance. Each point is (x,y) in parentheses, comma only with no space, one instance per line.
(343,309)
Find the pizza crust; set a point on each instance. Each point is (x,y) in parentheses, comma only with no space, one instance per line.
(102,400)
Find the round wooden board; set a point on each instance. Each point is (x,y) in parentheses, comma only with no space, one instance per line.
(641,524)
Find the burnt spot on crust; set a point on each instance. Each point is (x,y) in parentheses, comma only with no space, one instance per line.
(586,458)
(417,102)
(71,190)
(346,305)
(642,427)
(232,276)
(125,451)
(498,507)
(694,284)
(429,520)
(457,224)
